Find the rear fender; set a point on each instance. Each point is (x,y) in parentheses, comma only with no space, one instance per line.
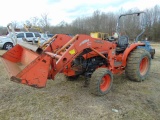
(128,51)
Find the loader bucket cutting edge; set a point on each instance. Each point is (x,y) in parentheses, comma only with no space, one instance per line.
(26,66)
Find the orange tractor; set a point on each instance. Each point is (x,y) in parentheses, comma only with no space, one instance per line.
(94,58)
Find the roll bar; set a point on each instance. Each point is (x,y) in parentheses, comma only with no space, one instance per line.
(138,13)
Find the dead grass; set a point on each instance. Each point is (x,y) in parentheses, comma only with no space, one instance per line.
(69,100)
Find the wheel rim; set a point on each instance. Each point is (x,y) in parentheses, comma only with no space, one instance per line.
(144,66)
(8,47)
(105,83)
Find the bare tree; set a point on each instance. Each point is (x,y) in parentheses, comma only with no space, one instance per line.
(44,21)
(3,30)
(103,22)
(28,23)
(15,24)
(35,21)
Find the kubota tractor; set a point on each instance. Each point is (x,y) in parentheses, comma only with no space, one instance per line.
(94,58)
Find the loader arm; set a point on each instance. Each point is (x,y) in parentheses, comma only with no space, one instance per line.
(54,43)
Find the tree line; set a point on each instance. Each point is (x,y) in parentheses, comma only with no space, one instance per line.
(105,22)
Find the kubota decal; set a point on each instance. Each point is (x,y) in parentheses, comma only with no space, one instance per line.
(83,42)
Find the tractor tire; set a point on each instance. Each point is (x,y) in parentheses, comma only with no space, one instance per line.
(8,46)
(101,81)
(138,65)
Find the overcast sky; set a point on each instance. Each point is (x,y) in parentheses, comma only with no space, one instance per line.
(64,10)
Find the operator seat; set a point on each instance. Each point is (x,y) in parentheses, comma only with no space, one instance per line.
(122,43)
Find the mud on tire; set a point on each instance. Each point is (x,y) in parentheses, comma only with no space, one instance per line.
(101,81)
(138,65)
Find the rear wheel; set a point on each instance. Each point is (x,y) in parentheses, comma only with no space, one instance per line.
(8,46)
(138,65)
(101,81)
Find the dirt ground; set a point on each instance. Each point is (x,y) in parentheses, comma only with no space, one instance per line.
(69,100)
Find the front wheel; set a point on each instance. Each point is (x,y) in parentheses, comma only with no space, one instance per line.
(138,65)
(101,81)
(8,46)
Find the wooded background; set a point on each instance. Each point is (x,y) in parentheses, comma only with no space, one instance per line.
(100,22)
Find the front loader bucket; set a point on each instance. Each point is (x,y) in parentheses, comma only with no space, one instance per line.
(26,66)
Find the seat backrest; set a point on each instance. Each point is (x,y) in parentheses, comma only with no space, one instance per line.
(123,41)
